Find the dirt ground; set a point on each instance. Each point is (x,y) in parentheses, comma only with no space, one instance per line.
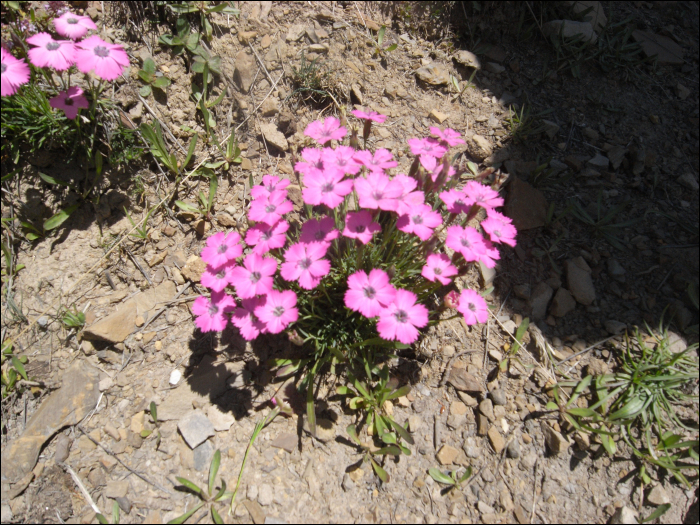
(643,122)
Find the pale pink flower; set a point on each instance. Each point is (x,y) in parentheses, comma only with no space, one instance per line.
(217,279)
(409,199)
(402,318)
(490,255)
(70,102)
(313,162)
(255,277)
(278,311)
(15,72)
(380,161)
(421,221)
(371,115)
(221,248)
(434,167)
(323,132)
(341,158)
(449,136)
(499,227)
(482,195)
(318,230)
(456,201)
(265,237)
(377,191)
(107,60)
(304,263)
(428,146)
(245,320)
(369,294)
(58,54)
(73,26)
(211,313)
(438,267)
(326,187)
(359,225)
(473,307)
(269,184)
(466,241)
(269,209)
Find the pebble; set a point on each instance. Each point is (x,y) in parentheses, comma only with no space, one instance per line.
(615,327)
(195,428)
(482,424)
(471,449)
(105,384)
(447,454)
(265,495)
(348,484)
(624,516)
(540,300)
(111,431)
(202,456)
(513,449)
(467,58)
(486,408)
(496,440)
(658,496)
(116,489)
(288,441)
(555,441)
(579,280)
(498,396)
(689,181)
(414,423)
(599,162)
(124,504)
(463,381)
(175,377)
(467,399)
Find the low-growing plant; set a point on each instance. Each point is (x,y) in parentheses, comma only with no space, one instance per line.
(312,79)
(451,479)
(460,88)
(12,368)
(525,125)
(146,432)
(143,231)
(602,224)
(150,77)
(379,50)
(153,133)
(208,498)
(115,515)
(182,39)
(73,318)
(204,9)
(205,201)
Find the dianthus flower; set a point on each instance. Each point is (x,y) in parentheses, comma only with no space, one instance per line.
(278,311)
(326,187)
(428,146)
(324,132)
(409,199)
(377,163)
(499,227)
(369,294)
(73,26)
(490,255)
(449,136)
(466,241)
(377,191)
(313,162)
(402,318)
(58,54)
(341,158)
(421,221)
(269,184)
(473,307)
(371,115)
(211,313)
(221,248)
(482,195)
(107,60)
(245,320)
(70,102)
(255,277)
(304,263)
(438,267)
(456,201)
(359,225)
(217,279)
(318,230)
(269,209)
(264,237)
(15,72)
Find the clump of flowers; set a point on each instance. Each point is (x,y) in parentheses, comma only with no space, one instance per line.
(357,270)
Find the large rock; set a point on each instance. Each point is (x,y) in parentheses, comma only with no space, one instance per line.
(663,48)
(525,205)
(195,428)
(570,29)
(244,70)
(461,380)
(274,137)
(433,74)
(479,147)
(66,406)
(467,59)
(118,325)
(563,303)
(539,299)
(579,279)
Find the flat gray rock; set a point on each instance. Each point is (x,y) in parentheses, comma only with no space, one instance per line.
(274,137)
(563,303)
(663,48)
(195,428)
(579,280)
(539,300)
(461,380)
(286,441)
(244,70)
(202,456)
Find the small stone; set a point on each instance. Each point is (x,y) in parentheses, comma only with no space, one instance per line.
(523,291)
(579,280)
(615,327)
(265,42)
(482,424)
(486,408)
(286,441)
(193,269)
(124,504)
(682,91)
(274,137)
(433,74)
(105,384)
(499,397)
(295,32)
(496,440)
(447,454)
(348,484)
(246,164)
(487,275)
(467,59)
(458,408)
(438,116)
(555,441)
(467,399)
(485,508)
(663,48)
(134,440)
(318,48)
(139,321)
(513,449)
(325,430)
(97,477)
(479,147)
(175,377)
(563,303)
(256,512)
(540,299)
(195,428)
(599,162)
(624,516)
(202,456)
(658,496)
(244,70)
(108,462)
(616,270)
(582,440)
(521,516)
(244,37)
(270,107)
(616,155)
(570,30)
(111,431)
(356,474)
(551,129)
(137,421)
(688,180)
(463,381)
(221,421)
(116,489)
(265,495)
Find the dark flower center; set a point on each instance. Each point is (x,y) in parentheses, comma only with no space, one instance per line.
(360,228)
(465,242)
(72,20)
(437,271)
(304,263)
(270,208)
(370,292)
(221,274)
(401,316)
(266,236)
(53,46)
(101,51)
(472,307)
(69,101)
(278,311)
(497,233)
(3,68)
(320,235)
(328,186)
(377,195)
(255,277)
(417,219)
(213,309)
(222,248)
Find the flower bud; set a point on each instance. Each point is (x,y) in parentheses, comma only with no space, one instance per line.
(354,141)
(452,300)
(295,338)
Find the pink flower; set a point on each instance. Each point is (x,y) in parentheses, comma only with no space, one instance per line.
(377,191)
(456,201)
(326,187)
(449,136)
(69,101)
(420,221)
(372,115)
(15,72)
(278,311)
(438,267)
(324,132)
(466,241)
(269,184)
(314,161)
(482,195)
(341,158)
(244,318)
(255,277)
(409,199)
(369,294)
(434,167)
(58,54)
(217,279)
(359,225)
(304,263)
(430,147)
(269,209)
(380,161)
(499,228)
(265,237)
(211,312)
(402,318)
(315,230)
(73,26)
(490,255)
(473,307)
(108,60)
(221,248)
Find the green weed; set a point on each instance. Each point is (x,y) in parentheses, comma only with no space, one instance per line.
(313,80)
(12,371)
(602,224)
(450,480)
(208,498)
(151,78)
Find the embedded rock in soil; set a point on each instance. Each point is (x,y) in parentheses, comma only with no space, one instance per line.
(615,327)
(498,396)
(244,70)
(66,406)
(624,516)
(688,180)
(599,162)
(563,303)
(202,456)
(255,510)
(447,455)
(486,408)
(467,59)
(116,489)
(324,429)
(571,29)
(663,48)
(461,380)
(496,440)
(550,128)
(287,441)
(579,279)
(513,449)
(594,12)
(539,300)
(195,428)
(616,155)
(222,421)
(658,496)
(525,205)
(556,443)
(433,74)
(274,137)
(479,147)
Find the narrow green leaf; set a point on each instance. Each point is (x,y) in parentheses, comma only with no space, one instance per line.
(608,443)
(391,48)
(51,180)
(215,515)
(310,408)
(222,491)
(520,332)
(145,433)
(399,392)
(465,476)
(380,471)
(344,391)
(213,185)
(660,511)
(440,477)
(213,469)
(154,412)
(401,431)
(186,515)
(60,217)
(218,99)
(115,512)
(191,486)
(352,432)
(186,207)
(582,412)
(190,151)
(101,519)
(380,35)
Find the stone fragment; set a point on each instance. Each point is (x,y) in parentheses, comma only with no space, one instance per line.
(244,70)
(624,516)
(256,512)
(486,408)
(550,128)
(496,440)
(202,455)
(325,430)
(116,489)
(599,162)
(467,59)
(663,48)
(221,421)
(286,441)
(66,406)
(571,30)
(111,431)
(487,275)
(447,454)
(594,12)
(493,67)
(616,270)
(265,42)
(318,48)
(539,300)
(482,424)
(461,380)
(579,280)
(438,116)
(498,396)
(479,147)
(682,91)
(348,484)
(274,137)
(513,449)
(195,428)
(658,496)
(270,107)
(496,53)
(124,504)
(295,32)
(616,155)
(244,37)
(414,423)
(134,440)
(614,327)
(563,303)
(265,495)
(555,441)
(433,74)
(688,180)
(525,205)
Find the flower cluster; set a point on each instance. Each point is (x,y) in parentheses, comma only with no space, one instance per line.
(377,244)
(106,60)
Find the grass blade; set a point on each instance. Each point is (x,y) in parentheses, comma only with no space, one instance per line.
(189,485)
(186,515)
(213,469)
(660,511)
(440,477)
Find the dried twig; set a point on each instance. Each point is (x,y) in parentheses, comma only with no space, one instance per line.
(138,265)
(82,488)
